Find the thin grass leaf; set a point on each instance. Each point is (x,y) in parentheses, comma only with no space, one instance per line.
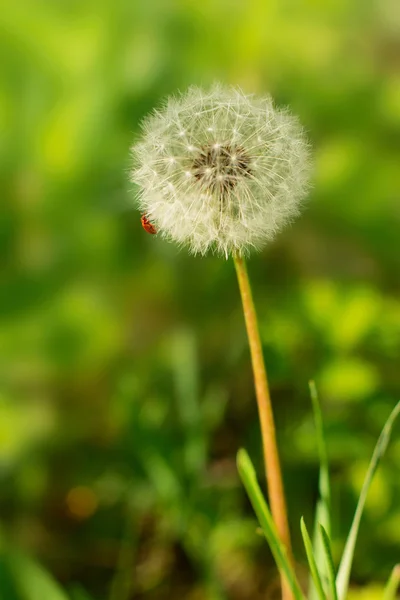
(323,508)
(393,584)
(249,479)
(311,561)
(324,485)
(329,562)
(343,577)
(32,580)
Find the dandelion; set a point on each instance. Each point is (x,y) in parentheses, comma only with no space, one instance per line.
(224,171)
(221,170)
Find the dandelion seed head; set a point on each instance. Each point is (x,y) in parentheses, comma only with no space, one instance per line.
(220,170)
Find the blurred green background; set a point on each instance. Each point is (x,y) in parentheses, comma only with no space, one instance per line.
(125,379)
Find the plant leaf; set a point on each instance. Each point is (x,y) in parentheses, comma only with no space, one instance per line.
(392,584)
(249,478)
(32,580)
(311,561)
(343,576)
(323,509)
(329,562)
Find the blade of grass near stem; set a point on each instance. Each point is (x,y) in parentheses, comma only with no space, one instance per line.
(326,543)
(323,509)
(249,479)
(314,573)
(393,584)
(343,576)
(324,485)
(311,561)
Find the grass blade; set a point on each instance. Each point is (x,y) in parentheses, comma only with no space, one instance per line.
(348,553)
(32,580)
(324,485)
(329,562)
(311,561)
(323,509)
(249,478)
(393,584)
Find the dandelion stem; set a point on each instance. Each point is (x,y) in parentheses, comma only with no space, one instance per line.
(270,449)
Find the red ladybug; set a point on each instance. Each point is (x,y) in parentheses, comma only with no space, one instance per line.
(147,225)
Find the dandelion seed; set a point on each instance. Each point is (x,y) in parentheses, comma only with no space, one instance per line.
(220,170)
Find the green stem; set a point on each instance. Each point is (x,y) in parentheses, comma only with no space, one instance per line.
(270,449)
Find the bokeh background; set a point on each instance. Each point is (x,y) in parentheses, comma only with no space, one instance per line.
(125,380)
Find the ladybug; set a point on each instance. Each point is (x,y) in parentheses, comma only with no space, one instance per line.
(147,225)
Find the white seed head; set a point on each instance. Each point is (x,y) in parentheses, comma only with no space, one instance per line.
(220,170)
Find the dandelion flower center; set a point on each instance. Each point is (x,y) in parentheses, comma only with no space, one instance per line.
(218,168)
